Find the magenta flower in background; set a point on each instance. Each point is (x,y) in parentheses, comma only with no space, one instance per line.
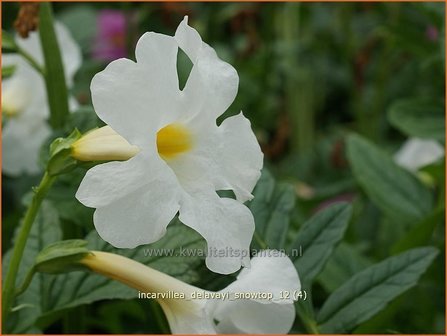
(432,33)
(110,41)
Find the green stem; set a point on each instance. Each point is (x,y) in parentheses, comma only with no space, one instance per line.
(54,76)
(9,43)
(26,282)
(9,290)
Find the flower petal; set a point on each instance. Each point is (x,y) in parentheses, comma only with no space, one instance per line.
(212,84)
(137,99)
(113,181)
(416,153)
(188,317)
(21,142)
(240,159)
(249,317)
(139,218)
(271,271)
(226,225)
(228,157)
(24,91)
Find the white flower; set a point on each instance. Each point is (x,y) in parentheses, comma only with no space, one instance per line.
(184,156)
(24,102)
(416,153)
(268,310)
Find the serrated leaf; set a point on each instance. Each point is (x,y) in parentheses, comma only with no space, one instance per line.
(423,118)
(271,208)
(369,291)
(317,239)
(394,190)
(45,230)
(77,288)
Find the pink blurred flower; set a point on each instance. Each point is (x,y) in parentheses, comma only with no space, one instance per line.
(432,33)
(110,41)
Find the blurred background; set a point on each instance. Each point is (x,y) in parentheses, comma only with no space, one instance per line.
(310,74)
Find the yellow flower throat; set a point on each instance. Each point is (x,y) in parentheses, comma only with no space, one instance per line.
(173,140)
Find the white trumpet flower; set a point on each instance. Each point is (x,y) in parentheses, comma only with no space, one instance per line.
(416,153)
(191,310)
(183,157)
(24,102)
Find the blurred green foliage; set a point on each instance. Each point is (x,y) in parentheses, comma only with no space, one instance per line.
(310,75)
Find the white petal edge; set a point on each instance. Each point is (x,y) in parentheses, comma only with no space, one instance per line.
(416,153)
(240,159)
(21,142)
(226,225)
(251,317)
(271,271)
(137,99)
(212,84)
(188,317)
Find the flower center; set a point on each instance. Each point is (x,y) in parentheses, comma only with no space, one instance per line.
(173,140)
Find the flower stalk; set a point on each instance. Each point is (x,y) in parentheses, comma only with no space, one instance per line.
(9,291)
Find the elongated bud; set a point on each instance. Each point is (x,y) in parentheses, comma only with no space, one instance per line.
(103,144)
(181,313)
(134,274)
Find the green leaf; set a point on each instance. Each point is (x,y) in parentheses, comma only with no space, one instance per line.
(369,291)
(419,117)
(342,265)
(60,160)
(421,233)
(71,211)
(82,287)
(61,256)
(8,71)
(44,231)
(8,43)
(271,208)
(397,192)
(54,74)
(317,239)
